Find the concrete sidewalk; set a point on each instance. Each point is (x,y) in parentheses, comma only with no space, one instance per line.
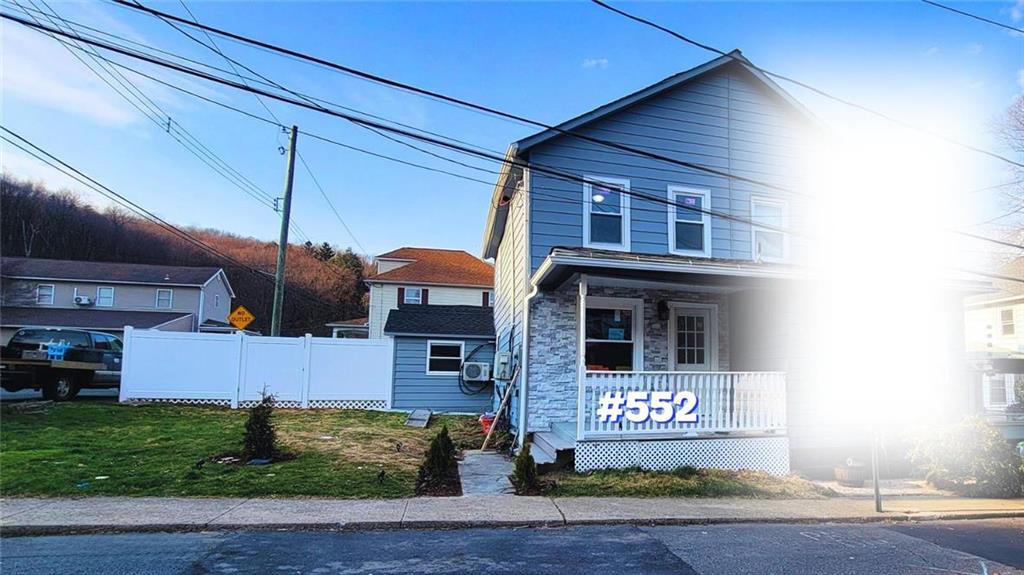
(132,514)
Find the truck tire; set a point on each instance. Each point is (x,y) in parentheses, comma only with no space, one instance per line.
(60,387)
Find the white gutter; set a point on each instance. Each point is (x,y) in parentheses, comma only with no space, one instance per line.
(524,361)
(690,267)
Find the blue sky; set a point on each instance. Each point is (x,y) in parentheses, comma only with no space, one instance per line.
(548,61)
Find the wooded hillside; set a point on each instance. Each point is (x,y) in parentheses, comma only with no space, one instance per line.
(322,283)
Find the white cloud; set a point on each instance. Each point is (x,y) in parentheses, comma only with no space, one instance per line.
(1017,11)
(25,167)
(932,51)
(38,70)
(595,63)
(975,48)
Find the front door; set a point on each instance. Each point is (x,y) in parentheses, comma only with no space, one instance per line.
(693,339)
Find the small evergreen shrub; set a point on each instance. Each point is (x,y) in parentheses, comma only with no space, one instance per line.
(971,458)
(439,468)
(260,437)
(524,474)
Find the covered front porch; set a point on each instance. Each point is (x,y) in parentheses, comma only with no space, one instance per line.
(718,340)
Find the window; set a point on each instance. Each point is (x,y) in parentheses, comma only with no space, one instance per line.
(104,297)
(606,213)
(769,245)
(165,298)
(689,229)
(101,341)
(488,299)
(613,334)
(997,390)
(1006,318)
(216,300)
(444,357)
(413,295)
(44,294)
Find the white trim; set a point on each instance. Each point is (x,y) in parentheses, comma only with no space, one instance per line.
(783,224)
(997,403)
(682,267)
(159,325)
(53,293)
(623,212)
(637,307)
(462,355)
(405,295)
(170,303)
(112,295)
(705,220)
(711,338)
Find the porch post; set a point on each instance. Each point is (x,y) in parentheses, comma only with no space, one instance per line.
(581,357)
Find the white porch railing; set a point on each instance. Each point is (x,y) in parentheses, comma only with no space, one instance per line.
(749,402)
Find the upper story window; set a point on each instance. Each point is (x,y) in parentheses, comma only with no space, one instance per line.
(1006,319)
(689,228)
(105,296)
(606,213)
(44,294)
(412,295)
(769,245)
(488,299)
(165,298)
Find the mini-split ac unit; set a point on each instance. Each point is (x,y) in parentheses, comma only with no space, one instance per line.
(476,371)
(83,300)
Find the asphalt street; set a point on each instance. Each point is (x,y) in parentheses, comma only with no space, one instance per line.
(960,547)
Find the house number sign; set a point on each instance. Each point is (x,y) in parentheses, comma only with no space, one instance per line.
(644,406)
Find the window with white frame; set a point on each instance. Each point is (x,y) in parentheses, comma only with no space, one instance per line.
(165,299)
(768,216)
(105,296)
(606,213)
(689,227)
(488,298)
(413,295)
(1006,320)
(613,335)
(444,357)
(44,294)
(998,390)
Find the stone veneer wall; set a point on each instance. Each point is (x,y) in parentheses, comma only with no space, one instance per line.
(553,339)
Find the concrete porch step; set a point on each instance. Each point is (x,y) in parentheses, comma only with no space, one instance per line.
(565,430)
(540,453)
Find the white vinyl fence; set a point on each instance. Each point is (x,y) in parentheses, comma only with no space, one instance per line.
(234,370)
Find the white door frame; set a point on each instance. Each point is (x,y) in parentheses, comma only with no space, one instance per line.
(711,337)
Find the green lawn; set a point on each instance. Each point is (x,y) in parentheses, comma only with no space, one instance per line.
(154,449)
(683,482)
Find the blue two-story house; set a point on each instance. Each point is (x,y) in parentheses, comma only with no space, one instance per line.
(619,270)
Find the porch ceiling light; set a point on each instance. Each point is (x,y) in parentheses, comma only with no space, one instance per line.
(598,197)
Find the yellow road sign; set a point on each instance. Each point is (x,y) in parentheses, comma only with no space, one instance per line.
(241,317)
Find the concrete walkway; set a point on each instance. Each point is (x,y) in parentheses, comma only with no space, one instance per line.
(485,473)
(130,514)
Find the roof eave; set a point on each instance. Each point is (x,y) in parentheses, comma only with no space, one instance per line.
(497,215)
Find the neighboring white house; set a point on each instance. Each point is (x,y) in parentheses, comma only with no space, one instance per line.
(994,330)
(426,276)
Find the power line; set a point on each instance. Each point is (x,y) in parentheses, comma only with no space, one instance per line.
(974,16)
(451,99)
(794,81)
(988,239)
(406,133)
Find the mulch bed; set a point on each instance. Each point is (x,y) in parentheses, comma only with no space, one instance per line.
(450,488)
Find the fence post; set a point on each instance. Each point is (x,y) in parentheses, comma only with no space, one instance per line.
(240,372)
(307,355)
(122,394)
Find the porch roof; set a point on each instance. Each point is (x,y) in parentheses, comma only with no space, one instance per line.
(562,263)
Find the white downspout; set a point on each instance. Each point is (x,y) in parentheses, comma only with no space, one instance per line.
(524,361)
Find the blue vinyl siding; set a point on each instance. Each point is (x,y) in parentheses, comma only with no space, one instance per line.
(414,389)
(725,120)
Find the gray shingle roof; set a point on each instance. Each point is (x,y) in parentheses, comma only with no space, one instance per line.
(105,271)
(84,318)
(448,320)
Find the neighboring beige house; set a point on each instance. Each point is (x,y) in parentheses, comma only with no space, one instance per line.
(994,327)
(426,276)
(357,328)
(108,296)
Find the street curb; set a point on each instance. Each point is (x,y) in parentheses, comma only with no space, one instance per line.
(43,530)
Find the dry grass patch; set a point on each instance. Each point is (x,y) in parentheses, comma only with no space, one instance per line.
(684,482)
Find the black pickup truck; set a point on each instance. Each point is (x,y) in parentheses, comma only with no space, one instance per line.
(89,359)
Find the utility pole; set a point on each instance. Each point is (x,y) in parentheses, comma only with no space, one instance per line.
(282,242)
